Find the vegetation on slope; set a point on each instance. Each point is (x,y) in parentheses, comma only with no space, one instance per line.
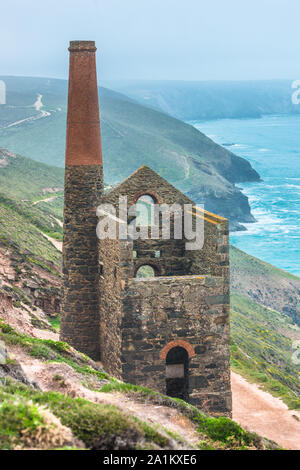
(16,231)
(265,284)
(23,178)
(23,411)
(99,427)
(262,338)
(106,427)
(262,348)
(24,220)
(48,349)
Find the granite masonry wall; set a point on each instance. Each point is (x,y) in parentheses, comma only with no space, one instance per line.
(80,307)
(185,305)
(110,308)
(145,181)
(174,259)
(190,311)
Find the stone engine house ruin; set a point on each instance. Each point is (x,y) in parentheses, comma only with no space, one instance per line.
(169,330)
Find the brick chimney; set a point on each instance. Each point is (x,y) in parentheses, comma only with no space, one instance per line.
(83,191)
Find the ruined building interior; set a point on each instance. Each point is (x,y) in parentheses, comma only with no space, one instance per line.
(153,312)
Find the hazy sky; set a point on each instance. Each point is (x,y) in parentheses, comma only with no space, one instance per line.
(154,39)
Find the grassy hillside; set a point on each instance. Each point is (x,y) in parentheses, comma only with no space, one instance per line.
(131,133)
(262,348)
(24,218)
(265,324)
(19,231)
(61,418)
(22,178)
(265,284)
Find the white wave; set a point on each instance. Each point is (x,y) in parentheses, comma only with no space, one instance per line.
(266,223)
(240,146)
(297,186)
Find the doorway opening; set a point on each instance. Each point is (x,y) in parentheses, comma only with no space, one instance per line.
(177,373)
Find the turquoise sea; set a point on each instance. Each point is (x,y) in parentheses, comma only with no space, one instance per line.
(272,145)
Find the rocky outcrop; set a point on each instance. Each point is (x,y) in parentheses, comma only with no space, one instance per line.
(29,294)
(232,204)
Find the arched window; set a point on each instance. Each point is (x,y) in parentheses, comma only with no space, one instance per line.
(145,211)
(145,271)
(177,373)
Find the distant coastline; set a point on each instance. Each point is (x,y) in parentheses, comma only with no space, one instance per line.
(272,145)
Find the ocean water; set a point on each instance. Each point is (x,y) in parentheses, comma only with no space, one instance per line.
(272,145)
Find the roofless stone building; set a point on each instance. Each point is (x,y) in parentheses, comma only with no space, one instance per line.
(170,329)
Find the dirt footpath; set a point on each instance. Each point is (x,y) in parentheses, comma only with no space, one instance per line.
(259,411)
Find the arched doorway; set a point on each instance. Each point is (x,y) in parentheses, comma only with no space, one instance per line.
(177,373)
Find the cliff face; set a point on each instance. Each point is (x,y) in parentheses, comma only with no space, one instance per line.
(235,206)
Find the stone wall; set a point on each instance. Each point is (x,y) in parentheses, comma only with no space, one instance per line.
(80,308)
(110,310)
(146,181)
(192,309)
(175,260)
(186,305)
(212,259)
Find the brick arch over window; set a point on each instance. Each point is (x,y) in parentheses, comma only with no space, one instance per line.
(173,344)
(156,197)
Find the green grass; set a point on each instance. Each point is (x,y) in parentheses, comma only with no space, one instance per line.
(15,418)
(23,181)
(265,284)
(50,350)
(262,350)
(214,433)
(20,233)
(259,351)
(54,207)
(226,431)
(144,394)
(129,131)
(246,264)
(24,178)
(55,322)
(96,425)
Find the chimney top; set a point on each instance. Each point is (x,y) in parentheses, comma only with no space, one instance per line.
(82,46)
(83,142)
